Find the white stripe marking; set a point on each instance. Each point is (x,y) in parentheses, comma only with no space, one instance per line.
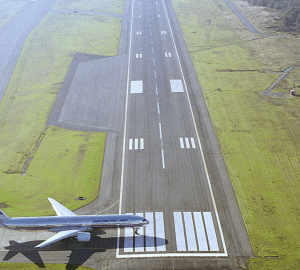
(130,144)
(187,143)
(139,239)
(142,143)
(166,55)
(169,54)
(136,87)
(160,132)
(163,158)
(152,50)
(189,231)
(140,16)
(181,142)
(210,230)
(202,244)
(153,61)
(158,16)
(136,144)
(156,89)
(128,239)
(193,142)
(176,86)
(160,232)
(154,73)
(180,240)
(149,233)
(158,108)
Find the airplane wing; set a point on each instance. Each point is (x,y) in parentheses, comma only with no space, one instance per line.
(60,210)
(59,236)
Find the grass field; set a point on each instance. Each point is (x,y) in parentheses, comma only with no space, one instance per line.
(105,6)
(24,110)
(258,135)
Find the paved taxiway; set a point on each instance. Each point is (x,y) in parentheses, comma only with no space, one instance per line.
(169,163)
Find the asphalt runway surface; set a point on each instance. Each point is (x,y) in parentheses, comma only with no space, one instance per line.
(162,160)
(14,33)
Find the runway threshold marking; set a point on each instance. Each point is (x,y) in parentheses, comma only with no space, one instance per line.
(150,239)
(195,235)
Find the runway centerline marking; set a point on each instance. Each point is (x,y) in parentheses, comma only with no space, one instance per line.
(160,132)
(158,110)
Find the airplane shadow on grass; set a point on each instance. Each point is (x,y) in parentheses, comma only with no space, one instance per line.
(80,251)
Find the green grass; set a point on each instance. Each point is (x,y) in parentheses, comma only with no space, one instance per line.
(28,100)
(8,9)
(258,135)
(67,165)
(105,6)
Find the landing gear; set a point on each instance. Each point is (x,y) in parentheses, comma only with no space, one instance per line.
(136,230)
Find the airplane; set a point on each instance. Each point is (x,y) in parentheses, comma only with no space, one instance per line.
(67,223)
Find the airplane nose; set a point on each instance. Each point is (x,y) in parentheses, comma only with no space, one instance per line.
(145,221)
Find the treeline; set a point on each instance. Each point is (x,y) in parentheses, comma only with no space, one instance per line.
(290,10)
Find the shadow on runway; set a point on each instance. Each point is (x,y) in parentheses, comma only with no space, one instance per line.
(80,251)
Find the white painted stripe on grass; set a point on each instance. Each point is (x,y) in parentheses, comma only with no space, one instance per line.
(160,232)
(201,237)
(179,232)
(210,230)
(189,231)
(150,232)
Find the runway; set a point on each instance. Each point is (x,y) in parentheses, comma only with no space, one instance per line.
(162,162)
(163,168)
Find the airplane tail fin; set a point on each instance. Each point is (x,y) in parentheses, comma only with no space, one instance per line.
(3,215)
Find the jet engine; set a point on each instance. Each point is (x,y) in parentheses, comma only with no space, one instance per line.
(83,237)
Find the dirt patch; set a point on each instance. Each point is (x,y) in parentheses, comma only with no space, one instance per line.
(276,52)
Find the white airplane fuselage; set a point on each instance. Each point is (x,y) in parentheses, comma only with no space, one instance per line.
(58,222)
